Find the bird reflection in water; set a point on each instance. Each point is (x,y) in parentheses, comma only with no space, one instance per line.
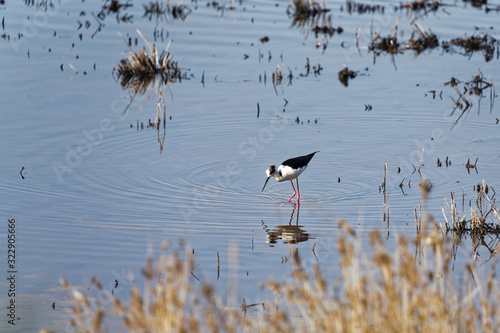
(290,233)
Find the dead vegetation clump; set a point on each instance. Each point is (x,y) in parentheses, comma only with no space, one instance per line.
(345,75)
(484,215)
(159,10)
(306,8)
(488,9)
(478,87)
(422,5)
(481,228)
(478,84)
(116,7)
(141,68)
(485,43)
(421,40)
(387,44)
(409,288)
(308,14)
(424,42)
(361,8)
(327,30)
(170,302)
(476,3)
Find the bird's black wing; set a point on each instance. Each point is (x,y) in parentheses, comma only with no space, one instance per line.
(298,162)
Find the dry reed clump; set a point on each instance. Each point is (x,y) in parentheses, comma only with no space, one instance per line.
(482,227)
(308,13)
(422,40)
(485,43)
(484,215)
(306,8)
(386,290)
(345,75)
(170,302)
(391,292)
(140,69)
(361,8)
(385,44)
(157,9)
(422,5)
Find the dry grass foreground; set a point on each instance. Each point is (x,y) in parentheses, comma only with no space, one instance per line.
(409,289)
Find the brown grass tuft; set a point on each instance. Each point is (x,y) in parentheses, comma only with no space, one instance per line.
(383,290)
(140,69)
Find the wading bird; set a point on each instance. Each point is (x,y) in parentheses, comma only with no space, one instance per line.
(288,170)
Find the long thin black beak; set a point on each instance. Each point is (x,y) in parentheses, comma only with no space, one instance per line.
(265,183)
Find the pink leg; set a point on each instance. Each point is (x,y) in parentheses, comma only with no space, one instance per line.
(298,192)
(293,191)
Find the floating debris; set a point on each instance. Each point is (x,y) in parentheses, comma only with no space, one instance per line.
(327,30)
(389,45)
(115,6)
(476,3)
(475,87)
(307,14)
(453,82)
(424,40)
(385,44)
(158,10)
(484,218)
(361,8)
(423,5)
(493,8)
(345,75)
(485,43)
(141,68)
(306,9)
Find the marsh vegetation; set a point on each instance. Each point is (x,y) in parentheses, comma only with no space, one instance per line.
(164,133)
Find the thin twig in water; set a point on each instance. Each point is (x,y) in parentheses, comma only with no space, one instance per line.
(193,273)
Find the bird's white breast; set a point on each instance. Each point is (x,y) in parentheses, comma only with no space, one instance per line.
(287,173)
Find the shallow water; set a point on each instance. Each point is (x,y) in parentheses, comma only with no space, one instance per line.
(98,193)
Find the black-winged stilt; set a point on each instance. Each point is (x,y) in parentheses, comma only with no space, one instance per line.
(288,170)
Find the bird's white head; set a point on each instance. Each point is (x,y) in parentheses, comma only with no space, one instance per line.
(270,172)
